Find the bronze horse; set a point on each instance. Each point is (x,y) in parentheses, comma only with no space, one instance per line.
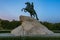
(30,8)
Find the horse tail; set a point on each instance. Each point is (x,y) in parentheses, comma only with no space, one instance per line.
(36,16)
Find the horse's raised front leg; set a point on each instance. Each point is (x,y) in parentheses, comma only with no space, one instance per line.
(25,11)
(22,9)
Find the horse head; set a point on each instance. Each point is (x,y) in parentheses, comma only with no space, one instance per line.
(27,3)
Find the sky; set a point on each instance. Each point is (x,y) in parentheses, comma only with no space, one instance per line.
(47,10)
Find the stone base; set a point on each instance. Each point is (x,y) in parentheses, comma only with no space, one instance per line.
(30,26)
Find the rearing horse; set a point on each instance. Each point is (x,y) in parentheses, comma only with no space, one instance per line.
(30,8)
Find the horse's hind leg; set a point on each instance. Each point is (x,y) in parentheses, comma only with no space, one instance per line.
(31,15)
(36,15)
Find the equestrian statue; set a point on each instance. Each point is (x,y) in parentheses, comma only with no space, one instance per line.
(30,8)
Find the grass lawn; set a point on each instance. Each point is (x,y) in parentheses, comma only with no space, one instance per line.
(29,38)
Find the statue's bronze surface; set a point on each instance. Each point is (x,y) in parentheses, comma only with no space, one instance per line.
(30,8)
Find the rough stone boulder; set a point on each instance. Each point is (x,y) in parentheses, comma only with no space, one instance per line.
(30,26)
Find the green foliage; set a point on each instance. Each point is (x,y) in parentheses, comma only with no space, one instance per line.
(13,24)
(48,25)
(51,26)
(29,38)
(5,24)
(57,26)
